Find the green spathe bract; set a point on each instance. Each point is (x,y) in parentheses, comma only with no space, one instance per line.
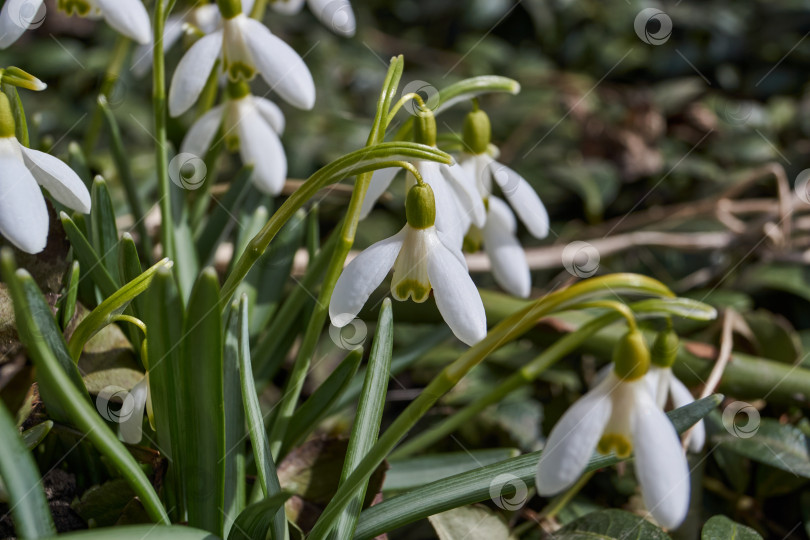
(420,207)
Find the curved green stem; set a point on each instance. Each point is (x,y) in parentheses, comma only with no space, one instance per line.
(402,101)
(510,328)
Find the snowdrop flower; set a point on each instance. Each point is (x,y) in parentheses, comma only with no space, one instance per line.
(484,169)
(127,17)
(421,261)
(337,15)
(457,201)
(250,124)
(16,17)
(247,47)
(619,414)
(23,213)
(663,384)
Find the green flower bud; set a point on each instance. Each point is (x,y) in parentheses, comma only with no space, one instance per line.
(420,207)
(665,348)
(7,125)
(631,357)
(477,131)
(237,89)
(424,127)
(229,8)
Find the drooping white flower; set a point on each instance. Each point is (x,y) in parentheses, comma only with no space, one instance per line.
(127,17)
(620,414)
(421,260)
(16,17)
(246,47)
(253,125)
(337,15)
(23,215)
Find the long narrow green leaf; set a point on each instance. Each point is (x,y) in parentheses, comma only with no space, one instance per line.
(68,308)
(203,411)
(256,521)
(80,412)
(366,426)
(409,473)
(29,508)
(164,323)
(184,251)
(235,434)
(104,232)
(114,305)
(266,469)
(88,258)
(477,485)
(317,406)
(140,532)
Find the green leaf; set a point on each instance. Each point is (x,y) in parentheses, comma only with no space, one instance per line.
(235,434)
(779,445)
(366,426)
(513,477)
(409,473)
(103,230)
(474,86)
(114,305)
(35,434)
(201,370)
(255,521)
(164,322)
(65,393)
(722,528)
(29,508)
(317,406)
(266,469)
(68,308)
(88,257)
(610,525)
(470,523)
(140,532)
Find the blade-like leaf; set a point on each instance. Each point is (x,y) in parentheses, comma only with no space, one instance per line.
(29,508)
(256,520)
(203,414)
(64,392)
(68,308)
(103,230)
(88,257)
(409,473)
(140,532)
(235,434)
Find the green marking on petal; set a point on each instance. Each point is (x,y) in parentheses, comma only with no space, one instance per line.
(620,444)
(240,70)
(75,7)
(419,292)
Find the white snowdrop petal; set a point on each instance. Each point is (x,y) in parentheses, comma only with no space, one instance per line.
(279,65)
(58,178)
(449,218)
(202,132)
(380,180)
(192,73)
(466,192)
(681,397)
(573,439)
(361,277)
(337,15)
(247,6)
(23,214)
(260,146)
(15,18)
(509,265)
(660,463)
(128,17)
(271,113)
(523,198)
(456,295)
